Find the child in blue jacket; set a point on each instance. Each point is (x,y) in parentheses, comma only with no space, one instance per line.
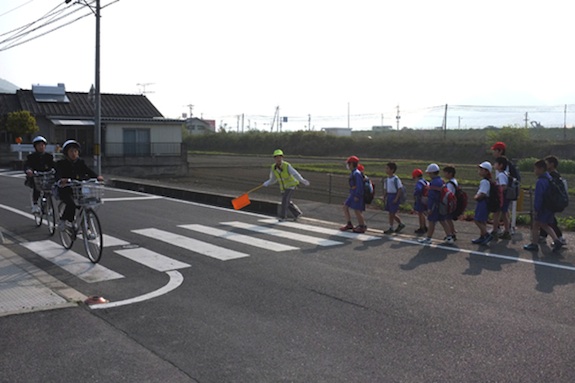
(542,217)
(433,201)
(355,199)
(420,195)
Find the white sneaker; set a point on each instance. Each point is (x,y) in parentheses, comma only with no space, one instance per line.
(35,209)
(425,241)
(448,240)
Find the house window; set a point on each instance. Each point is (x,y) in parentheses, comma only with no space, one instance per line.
(137,142)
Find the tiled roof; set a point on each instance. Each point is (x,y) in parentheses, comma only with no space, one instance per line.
(113,105)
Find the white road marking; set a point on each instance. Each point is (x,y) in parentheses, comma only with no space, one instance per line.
(283,234)
(110,241)
(72,262)
(122,199)
(245,239)
(191,244)
(151,259)
(176,280)
(322,230)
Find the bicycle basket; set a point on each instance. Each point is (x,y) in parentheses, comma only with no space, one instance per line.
(44,182)
(87,194)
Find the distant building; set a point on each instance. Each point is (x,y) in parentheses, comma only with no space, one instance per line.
(199,126)
(342,132)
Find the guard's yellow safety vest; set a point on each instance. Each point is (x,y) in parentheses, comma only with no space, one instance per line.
(286,180)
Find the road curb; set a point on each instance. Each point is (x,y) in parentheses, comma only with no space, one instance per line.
(256,206)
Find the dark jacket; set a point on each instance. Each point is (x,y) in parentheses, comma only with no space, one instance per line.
(40,162)
(77,170)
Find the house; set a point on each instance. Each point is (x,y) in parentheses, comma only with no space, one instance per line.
(136,139)
(199,126)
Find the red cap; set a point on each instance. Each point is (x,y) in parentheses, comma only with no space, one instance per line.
(360,167)
(498,146)
(416,173)
(352,159)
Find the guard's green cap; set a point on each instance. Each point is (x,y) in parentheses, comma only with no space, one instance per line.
(278,152)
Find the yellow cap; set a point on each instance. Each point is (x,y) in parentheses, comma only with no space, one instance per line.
(278,152)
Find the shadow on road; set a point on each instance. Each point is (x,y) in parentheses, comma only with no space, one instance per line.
(424,256)
(549,277)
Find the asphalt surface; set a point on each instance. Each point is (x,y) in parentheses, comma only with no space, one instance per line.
(378,310)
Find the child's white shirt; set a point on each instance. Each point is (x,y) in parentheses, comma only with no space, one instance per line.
(390,184)
(484,187)
(502,179)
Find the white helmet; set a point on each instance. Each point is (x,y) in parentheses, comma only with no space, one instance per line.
(68,144)
(39,139)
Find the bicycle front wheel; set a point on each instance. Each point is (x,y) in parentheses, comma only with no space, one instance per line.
(67,234)
(50,215)
(92,234)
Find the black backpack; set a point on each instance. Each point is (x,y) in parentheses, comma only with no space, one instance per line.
(494,201)
(512,191)
(368,190)
(556,198)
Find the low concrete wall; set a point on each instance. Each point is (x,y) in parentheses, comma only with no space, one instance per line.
(262,207)
(146,166)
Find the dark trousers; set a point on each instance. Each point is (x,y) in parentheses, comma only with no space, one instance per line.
(65,195)
(35,192)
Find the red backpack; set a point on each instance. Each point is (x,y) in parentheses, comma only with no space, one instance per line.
(461,197)
(447,202)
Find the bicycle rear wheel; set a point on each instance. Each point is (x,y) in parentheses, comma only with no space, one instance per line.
(67,234)
(92,234)
(50,215)
(38,213)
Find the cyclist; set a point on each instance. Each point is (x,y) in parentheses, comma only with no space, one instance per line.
(71,167)
(39,161)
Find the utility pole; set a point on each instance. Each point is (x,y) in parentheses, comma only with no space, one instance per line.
(565,123)
(348,121)
(397,117)
(309,122)
(238,124)
(242,122)
(526,119)
(382,119)
(459,122)
(445,123)
(191,108)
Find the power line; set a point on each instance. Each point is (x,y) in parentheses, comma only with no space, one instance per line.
(13,9)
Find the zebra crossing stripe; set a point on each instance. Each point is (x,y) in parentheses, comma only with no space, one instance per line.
(282,234)
(72,262)
(191,244)
(321,230)
(151,259)
(241,238)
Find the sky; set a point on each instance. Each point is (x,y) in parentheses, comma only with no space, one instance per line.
(325,59)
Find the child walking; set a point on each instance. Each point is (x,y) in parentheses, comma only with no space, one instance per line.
(502,181)
(451,184)
(355,199)
(392,194)
(434,199)
(542,217)
(420,196)
(481,210)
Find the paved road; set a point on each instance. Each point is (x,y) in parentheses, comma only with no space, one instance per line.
(305,306)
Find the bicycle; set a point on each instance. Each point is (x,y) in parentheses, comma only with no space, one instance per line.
(87,196)
(44,181)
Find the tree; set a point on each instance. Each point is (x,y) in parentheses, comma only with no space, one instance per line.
(21,123)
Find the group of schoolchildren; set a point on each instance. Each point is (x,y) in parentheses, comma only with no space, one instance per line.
(498,187)
(71,167)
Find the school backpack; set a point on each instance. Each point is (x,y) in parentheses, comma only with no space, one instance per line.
(403,196)
(556,198)
(494,200)
(447,201)
(368,190)
(512,191)
(461,198)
